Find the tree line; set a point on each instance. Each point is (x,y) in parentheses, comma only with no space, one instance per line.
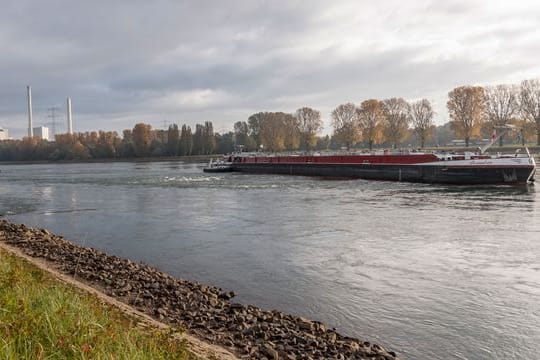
(141,141)
(474,111)
(472,108)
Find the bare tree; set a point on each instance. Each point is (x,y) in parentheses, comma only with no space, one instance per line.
(501,105)
(422,119)
(396,120)
(209,141)
(466,105)
(186,140)
(241,136)
(370,118)
(310,124)
(530,103)
(345,123)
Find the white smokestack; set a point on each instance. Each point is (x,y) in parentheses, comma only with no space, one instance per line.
(30,124)
(69,120)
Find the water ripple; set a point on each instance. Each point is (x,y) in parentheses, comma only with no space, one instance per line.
(430,271)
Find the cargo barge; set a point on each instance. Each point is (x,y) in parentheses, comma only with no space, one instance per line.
(413,167)
(465,169)
(468,168)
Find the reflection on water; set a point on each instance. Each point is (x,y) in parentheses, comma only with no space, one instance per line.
(431,271)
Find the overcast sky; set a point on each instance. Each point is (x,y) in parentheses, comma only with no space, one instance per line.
(160,62)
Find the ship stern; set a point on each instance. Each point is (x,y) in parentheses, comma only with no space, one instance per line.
(533,171)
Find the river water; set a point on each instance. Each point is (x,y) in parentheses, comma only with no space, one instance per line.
(429,271)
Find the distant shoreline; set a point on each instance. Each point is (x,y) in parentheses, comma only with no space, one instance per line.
(189,159)
(535,150)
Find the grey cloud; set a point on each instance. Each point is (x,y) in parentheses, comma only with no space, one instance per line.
(124,62)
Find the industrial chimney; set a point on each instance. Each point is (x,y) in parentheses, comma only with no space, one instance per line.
(69,120)
(30,124)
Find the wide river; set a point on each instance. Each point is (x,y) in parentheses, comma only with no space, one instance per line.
(429,271)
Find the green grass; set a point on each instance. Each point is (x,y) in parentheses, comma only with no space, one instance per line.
(43,318)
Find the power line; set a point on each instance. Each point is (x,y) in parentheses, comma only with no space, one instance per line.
(53,115)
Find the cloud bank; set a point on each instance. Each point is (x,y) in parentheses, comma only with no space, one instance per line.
(160,62)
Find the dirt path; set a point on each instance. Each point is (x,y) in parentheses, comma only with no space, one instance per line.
(195,345)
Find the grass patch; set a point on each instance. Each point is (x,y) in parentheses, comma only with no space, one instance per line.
(43,318)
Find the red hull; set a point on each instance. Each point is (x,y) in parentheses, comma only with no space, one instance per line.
(401,159)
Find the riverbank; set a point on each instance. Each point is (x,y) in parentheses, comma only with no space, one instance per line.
(507,149)
(43,317)
(204,311)
(185,159)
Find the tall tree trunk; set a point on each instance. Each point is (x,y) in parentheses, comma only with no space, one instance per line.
(467,141)
(501,141)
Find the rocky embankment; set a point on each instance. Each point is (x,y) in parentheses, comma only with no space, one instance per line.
(205,311)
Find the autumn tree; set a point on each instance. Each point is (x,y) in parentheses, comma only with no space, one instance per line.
(370,119)
(64,139)
(309,123)
(291,128)
(142,139)
(79,151)
(530,103)
(345,123)
(396,120)
(501,105)
(422,119)
(106,145)
(466,106)
(272,131)
(64,146)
